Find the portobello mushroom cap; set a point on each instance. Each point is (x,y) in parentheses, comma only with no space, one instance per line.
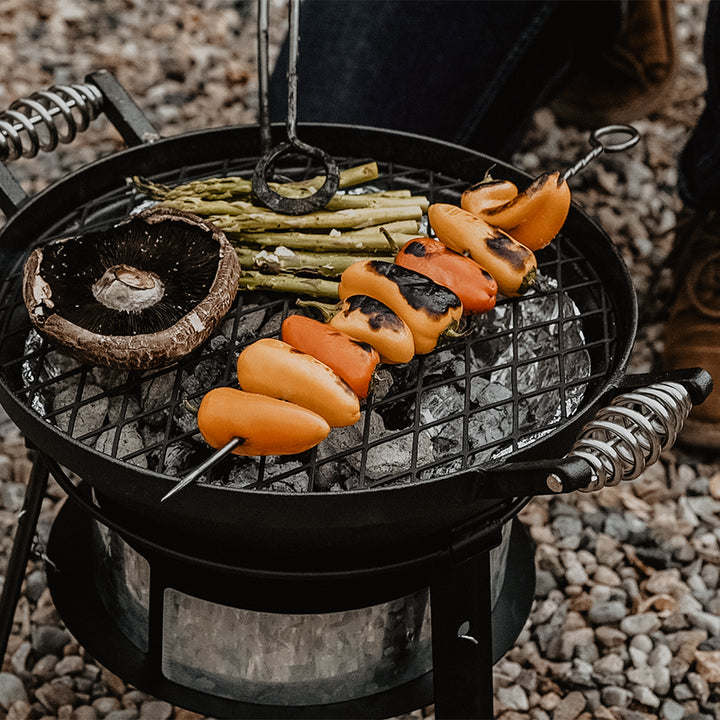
(141,294)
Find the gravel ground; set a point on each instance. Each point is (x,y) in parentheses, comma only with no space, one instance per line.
(626,623)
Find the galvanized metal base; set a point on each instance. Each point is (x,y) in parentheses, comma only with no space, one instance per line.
(80,606)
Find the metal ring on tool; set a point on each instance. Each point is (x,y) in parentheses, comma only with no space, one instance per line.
(598,146)
(632,132)
(295,206)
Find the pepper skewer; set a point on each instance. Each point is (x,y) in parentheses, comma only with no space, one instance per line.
(206,465)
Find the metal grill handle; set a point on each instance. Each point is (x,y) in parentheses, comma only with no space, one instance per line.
(47,118)
(629,434)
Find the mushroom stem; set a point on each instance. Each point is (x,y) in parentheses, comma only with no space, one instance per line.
(123,287)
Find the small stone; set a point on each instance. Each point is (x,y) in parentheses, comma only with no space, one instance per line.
(616,696)
(610,637)
(672,710)
(85,712)
(642,676)
(683,692)
(644,623)
(19,710)
(70,665)
(573,639)
(610,664)
(707,663)
(606,613)
(663,683)
(105,705)
(44,668)
(646,696)
(20,657)
(643,643)
(49,640)
(699,686)
(35,584)
(570,707)
(606,576)
(115,683)
(127,714)
(511,698)
(11,690)
(54,695)
(183,714)
(705,621)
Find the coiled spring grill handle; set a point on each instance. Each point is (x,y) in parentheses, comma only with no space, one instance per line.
(48,118)
(629,434)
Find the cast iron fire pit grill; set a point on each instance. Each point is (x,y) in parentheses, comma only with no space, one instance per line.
(405,523)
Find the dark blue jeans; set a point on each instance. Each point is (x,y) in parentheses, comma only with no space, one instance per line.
(467,71)
(699,168)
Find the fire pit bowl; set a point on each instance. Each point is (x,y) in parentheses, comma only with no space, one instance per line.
(409,506)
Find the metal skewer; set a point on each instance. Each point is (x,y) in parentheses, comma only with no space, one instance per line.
(200,469)
(599,146)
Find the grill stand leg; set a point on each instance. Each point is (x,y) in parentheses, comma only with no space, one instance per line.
(22,546)
(462,640)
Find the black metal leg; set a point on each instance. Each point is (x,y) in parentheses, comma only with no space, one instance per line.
(24,535)
(462,640)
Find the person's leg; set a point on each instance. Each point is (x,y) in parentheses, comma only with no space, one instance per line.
(699,168)
(692,332)
(467,71)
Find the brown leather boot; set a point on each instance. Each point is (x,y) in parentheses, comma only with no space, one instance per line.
(692,332)
(630,79)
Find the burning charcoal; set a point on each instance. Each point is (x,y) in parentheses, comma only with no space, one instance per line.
(153,439)
(331,475)
(381,460)
(385,459)
(108,377)
(486,393)
(209,371)
(490,426)
(120,408)
(295,482)
(539,410)
(397,414)
(57,363)
(155,393)
(128,440)
(272,326)
(185,416)
(243,471)
(447,438)
(89,417)
(443,363)
(178,458)
(249,323)
(438,403)
(381,384)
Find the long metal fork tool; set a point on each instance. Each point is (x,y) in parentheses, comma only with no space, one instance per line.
(293,145)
